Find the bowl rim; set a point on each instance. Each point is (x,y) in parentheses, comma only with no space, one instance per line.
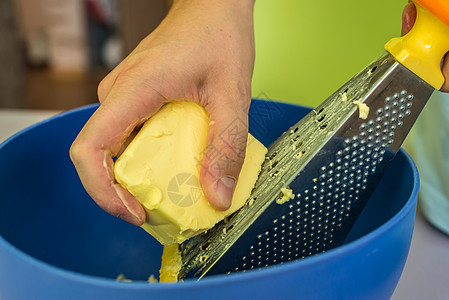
(275,270)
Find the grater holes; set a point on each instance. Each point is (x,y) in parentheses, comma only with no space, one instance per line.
(319,112)
(272,156)
(296,138)
(321,118)
(312,222)
(275,173)
(394,113)
(228,229)
(362,127)
(395,104)
(204,246)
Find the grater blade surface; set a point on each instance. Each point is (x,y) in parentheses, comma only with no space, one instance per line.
(332,160)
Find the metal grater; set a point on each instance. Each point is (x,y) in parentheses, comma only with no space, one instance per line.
(332,160)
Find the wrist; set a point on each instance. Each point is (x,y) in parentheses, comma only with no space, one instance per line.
(241,5)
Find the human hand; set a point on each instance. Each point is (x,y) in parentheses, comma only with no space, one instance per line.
(408,20)
(203,51)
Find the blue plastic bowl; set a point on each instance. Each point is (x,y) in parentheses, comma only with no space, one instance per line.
(55,243)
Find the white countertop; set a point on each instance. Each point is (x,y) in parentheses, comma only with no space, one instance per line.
(426,273)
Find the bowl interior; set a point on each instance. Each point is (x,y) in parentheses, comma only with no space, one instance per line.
(47,214)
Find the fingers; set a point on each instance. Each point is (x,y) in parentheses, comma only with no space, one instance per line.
(98,180)
(408,18)
(102,138)
(445,87)
(225,153)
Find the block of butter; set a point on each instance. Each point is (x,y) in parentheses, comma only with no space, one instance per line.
(160,168)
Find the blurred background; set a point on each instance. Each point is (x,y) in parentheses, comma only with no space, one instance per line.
(54,53)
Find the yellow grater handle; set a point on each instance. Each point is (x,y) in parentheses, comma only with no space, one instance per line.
(422,49)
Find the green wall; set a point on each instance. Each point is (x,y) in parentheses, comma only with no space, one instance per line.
(305,50)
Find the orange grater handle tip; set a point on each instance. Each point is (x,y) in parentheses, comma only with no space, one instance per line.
(439,8)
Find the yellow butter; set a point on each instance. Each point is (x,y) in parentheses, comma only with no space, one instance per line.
(286,195)
(160,167)
(363,109)
(171,264)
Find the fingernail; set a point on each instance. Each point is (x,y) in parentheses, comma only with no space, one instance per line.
(131,218)
(135,215)
(224,190)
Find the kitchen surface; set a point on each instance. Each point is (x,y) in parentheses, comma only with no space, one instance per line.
(65,62)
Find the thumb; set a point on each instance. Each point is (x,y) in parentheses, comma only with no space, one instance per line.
(225,152)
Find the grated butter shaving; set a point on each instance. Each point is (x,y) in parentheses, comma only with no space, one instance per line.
(122,278)
(287,194)
(363,109)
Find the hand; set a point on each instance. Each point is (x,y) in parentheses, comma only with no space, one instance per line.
(408,20)
(203,51)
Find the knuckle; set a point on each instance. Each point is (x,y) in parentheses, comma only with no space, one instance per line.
(225,160)
(77,152)
(102,89)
